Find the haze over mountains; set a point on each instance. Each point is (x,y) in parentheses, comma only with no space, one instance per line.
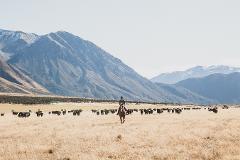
(222,88)
(195,72)
(68,65)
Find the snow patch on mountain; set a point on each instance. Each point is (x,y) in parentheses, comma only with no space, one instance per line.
(53,40)
(12,36)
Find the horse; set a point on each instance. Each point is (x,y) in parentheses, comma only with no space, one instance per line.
(122,113)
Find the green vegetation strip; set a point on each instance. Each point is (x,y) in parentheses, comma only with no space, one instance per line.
(47,100)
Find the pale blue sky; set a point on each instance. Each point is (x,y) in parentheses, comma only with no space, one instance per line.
(151,36)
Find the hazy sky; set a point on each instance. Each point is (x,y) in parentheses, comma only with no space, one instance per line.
(151,36)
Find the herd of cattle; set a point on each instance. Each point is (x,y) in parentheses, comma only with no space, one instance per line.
(77,112)
(40,113)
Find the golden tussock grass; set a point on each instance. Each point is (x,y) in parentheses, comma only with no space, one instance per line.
(194,134)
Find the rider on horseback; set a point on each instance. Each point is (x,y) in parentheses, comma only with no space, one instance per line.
(122,110)
(121,105)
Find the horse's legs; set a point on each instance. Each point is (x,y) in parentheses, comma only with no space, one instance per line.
(123,118)
(120,118)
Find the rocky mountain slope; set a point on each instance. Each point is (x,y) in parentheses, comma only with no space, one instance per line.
(13,80)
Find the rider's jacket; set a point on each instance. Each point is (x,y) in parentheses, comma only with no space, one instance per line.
(121,102)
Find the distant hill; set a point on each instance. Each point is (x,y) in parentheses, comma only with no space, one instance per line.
(223,88)
(184,95)
(195,72)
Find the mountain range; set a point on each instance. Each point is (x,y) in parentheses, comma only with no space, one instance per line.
(195,72)
(221,88)
(66,64)
(61,63)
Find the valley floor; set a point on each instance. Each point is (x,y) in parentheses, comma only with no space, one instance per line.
(193,134)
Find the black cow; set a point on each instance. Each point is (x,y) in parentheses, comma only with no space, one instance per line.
(56,112)
(76,112)
(159,111)
(39,113)
(177,110)
(214,110)
(23,114)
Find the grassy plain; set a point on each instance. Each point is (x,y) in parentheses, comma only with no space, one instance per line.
(193,134)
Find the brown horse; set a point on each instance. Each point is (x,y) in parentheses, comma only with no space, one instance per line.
(122,113)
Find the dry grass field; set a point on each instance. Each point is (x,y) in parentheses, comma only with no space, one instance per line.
(193,134)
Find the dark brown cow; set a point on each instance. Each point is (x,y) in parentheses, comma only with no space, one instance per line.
(225,107)
(14,113)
